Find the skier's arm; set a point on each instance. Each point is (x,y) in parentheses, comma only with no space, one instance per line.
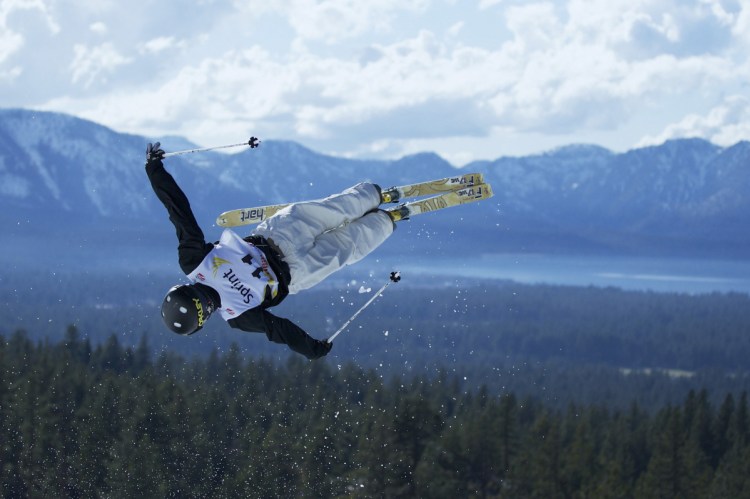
(280,330)
(192,244)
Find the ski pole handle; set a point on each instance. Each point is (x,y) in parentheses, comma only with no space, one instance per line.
(253,143)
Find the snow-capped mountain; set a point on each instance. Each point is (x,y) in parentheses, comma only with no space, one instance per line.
(61,175)
(687,191)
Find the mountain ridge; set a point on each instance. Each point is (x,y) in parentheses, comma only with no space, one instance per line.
(63,174)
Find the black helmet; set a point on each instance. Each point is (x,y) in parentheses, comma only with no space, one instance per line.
(186,308)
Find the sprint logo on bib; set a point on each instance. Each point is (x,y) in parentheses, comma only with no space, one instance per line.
(234,279)
(235,283)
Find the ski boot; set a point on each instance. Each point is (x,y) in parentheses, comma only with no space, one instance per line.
(399,213)
(390,195)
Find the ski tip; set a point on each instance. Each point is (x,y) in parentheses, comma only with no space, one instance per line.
(473,193)
(475,178)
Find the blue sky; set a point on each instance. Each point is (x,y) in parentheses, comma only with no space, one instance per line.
(467,79)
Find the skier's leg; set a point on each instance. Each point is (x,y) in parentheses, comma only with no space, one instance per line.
(296,228)
(301,223)
(339,247)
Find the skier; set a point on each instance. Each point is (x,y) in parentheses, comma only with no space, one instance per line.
(291,251)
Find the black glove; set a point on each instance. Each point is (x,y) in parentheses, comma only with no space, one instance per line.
(154,153)
(321,349)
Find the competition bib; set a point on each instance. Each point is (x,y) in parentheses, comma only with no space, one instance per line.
(239,272)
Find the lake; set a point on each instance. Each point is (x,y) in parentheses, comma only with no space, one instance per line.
(695,276)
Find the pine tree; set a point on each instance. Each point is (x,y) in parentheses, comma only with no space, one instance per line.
(536,473)
(580,465)
(678,467)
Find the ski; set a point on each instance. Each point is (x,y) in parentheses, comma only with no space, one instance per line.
(454,198)
(247,216)
(439,186)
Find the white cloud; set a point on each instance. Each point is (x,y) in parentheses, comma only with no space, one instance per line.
(455,29)
(205,102)
(160,44)
(93,63)
(579,71)
(10,74)
(725,124)
(8,7)
(719,11)
(331,21)
(534,26)
(99,28)
(389,95)
(385,76)
(486,4)
(741,24)
(11,41)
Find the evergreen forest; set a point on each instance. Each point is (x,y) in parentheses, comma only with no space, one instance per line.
(84,420)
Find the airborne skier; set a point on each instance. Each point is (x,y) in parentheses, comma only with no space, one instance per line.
(287,253)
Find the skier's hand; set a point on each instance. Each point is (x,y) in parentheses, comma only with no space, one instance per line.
(321,349)
(154,153)
(327,346)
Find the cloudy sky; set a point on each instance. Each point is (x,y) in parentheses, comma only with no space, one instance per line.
(468,79)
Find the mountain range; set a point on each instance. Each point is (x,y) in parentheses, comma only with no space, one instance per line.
(75,191)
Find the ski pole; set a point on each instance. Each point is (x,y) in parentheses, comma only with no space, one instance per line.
(395,277)
(253,143)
